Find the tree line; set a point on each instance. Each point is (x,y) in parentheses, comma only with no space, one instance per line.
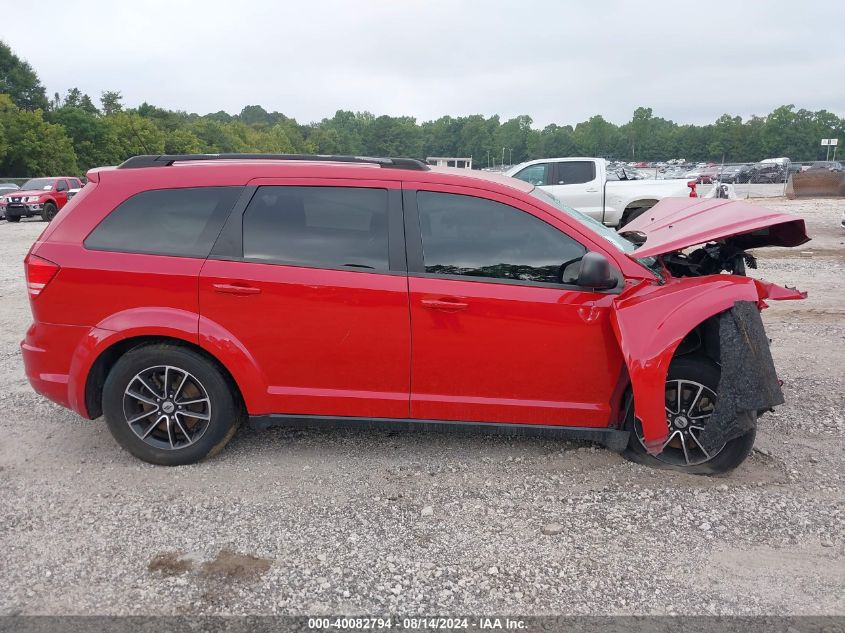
(70,134)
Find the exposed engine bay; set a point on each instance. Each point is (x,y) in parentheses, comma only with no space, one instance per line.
(710,259)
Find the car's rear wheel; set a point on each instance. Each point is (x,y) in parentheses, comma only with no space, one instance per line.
(691,395)
(169,405)
(49,211)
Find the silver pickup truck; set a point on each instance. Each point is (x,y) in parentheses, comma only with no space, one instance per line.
(584,184)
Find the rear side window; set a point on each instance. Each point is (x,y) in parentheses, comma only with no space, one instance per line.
(326,227)
(179,222)
(575,172)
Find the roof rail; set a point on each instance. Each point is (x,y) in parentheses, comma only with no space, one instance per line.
(165,160)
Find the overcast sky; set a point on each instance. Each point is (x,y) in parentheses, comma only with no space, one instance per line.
(557,61)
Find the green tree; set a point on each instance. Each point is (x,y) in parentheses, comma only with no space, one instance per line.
(131,134)
(92,139)
(34,147)
(111,102)
(19,81)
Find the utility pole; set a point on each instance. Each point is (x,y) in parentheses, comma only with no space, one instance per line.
(488,159)
(510,151)
(503,156)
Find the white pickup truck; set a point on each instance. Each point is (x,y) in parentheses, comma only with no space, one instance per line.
(584,184)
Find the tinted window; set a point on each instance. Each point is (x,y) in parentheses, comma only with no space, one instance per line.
(576,172)
(61,186)
(535,174)
(469,236)
(181,222)
(330,227)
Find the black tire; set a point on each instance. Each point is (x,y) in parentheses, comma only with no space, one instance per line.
(49,211)
(223,412)
(13,218)
(701,370)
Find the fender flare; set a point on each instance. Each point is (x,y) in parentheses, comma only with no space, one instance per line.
(157,322)
(651,321)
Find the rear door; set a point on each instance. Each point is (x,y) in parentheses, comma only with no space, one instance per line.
(309,277)
(578,184)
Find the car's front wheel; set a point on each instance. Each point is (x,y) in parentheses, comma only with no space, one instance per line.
(49,211)
(691,394)
(169,405)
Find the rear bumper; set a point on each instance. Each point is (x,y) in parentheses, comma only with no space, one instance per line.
(48,352)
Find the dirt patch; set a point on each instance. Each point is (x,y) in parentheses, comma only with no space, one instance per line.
(781,578)
(235,565)
(170,564)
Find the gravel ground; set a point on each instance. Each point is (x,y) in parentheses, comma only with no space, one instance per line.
(298,522)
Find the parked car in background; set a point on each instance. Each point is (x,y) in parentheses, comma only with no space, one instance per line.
(179,295)
(38,196)
(583,184)
(5,187)
(767,173)
(702,175)
(729,174)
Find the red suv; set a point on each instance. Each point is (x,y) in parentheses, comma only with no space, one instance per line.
(38,196)
(179,295)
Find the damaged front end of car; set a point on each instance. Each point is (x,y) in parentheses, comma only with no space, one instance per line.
(696,309)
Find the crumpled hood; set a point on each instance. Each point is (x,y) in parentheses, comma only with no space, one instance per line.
(674,224)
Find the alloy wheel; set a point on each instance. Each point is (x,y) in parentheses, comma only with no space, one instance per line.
(689,406)
(167,407)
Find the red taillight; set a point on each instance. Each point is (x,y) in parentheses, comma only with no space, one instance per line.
(691,184)
(39,272)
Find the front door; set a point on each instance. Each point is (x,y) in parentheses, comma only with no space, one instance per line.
(496,336)
(311,282)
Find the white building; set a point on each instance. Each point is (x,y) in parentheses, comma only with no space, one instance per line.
(450,161)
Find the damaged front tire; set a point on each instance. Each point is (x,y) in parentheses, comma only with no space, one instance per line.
(691,394)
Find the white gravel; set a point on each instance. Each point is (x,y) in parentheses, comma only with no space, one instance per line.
(310,522)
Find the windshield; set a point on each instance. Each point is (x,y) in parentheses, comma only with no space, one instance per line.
(610,235)
(38,183)
(594,225)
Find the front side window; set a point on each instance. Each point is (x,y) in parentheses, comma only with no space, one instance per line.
(326,227)
(61,186)
(576,172)
(179,222)
(534,174)
(474,237)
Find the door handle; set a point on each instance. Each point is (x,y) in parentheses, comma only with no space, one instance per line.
(445,304)
(236,289)
(591,190)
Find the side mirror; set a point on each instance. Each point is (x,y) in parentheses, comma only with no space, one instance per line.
(595,272)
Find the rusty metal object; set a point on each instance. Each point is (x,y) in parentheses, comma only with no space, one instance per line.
(816,183)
